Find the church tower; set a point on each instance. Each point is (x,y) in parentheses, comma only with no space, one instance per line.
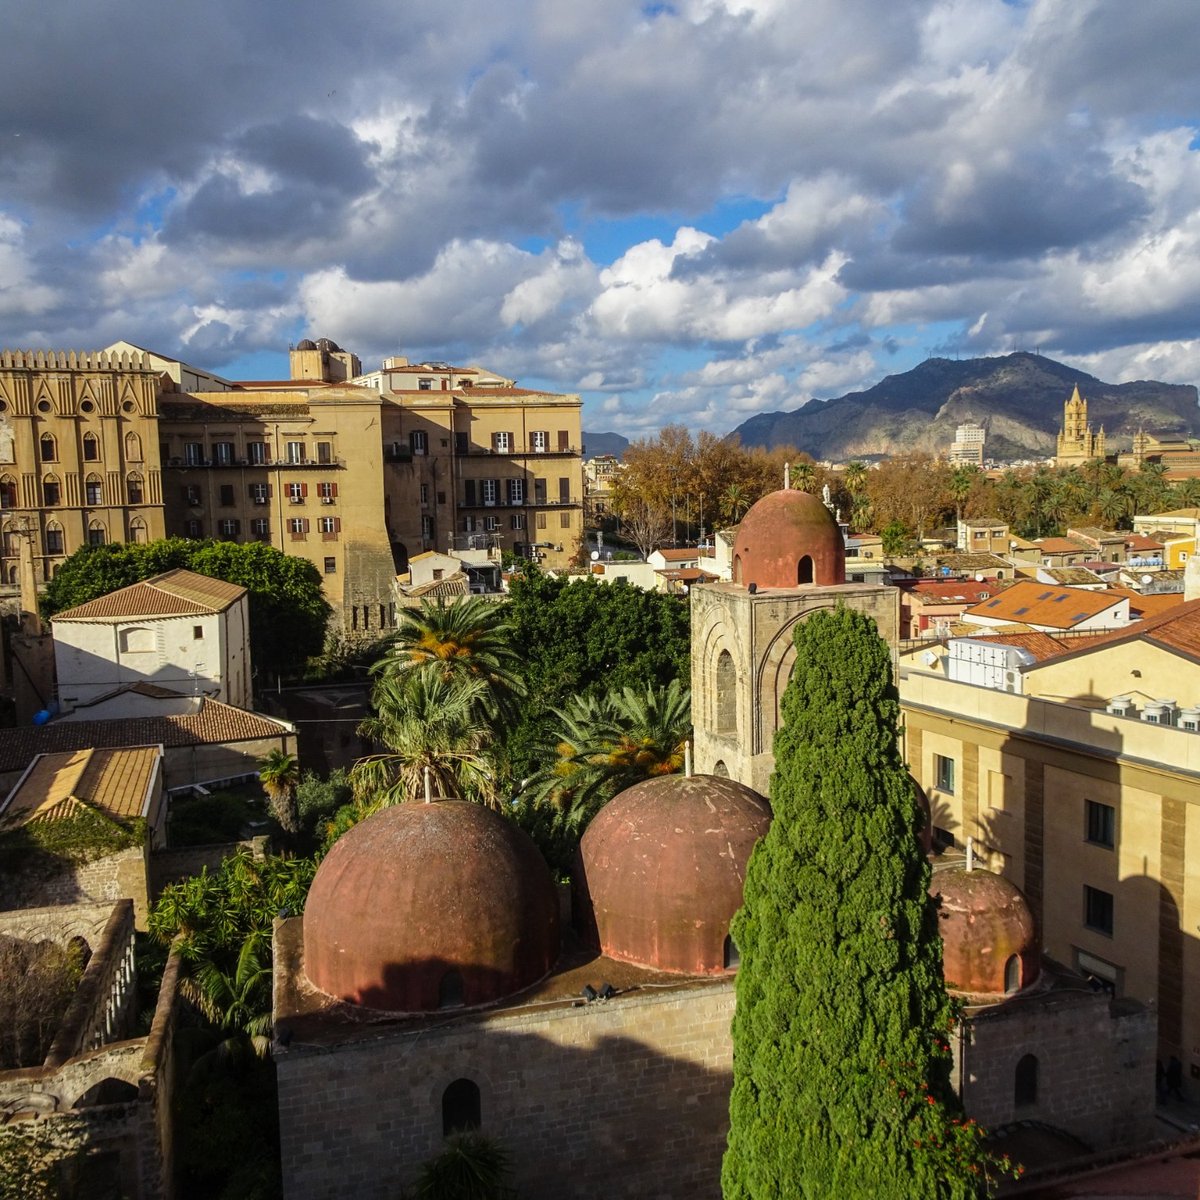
(789,560)
(1076,442)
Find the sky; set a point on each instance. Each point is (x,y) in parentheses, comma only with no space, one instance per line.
(685,212)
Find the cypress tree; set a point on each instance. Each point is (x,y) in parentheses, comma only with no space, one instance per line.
(841,1035)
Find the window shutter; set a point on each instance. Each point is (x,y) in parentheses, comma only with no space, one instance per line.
(307,526)
(337,524)
(469,490)
(333,489)
(270,490)
(304,489)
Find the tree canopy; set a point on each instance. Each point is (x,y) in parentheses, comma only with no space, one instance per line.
(841,1032)
(288,612)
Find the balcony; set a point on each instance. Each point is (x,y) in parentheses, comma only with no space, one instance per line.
(517,452)
(245,464)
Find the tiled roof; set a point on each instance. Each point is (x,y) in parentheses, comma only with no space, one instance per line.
(214,724)
(1040,645)
(1074,576)
(1177,630)
(950,591)
(1043,604)
(1148,606)
(684,554)
(1139,541)
(114,781)
(172,594)
(1061,545)
(973,562)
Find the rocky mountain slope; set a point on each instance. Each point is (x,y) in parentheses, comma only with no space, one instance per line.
(1017,397)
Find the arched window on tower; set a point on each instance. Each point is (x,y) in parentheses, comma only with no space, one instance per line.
(737,568)
(731,958)
(91,448)
(47,448)
(133,448)
(725,683)
(1012,974)
(720,770)
(1025,1083)
(8,492)
(804,569)
(461,1110)
(450,991)
(138,533)
(133,485)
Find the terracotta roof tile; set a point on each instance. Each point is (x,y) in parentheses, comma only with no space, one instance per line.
(114,781)
(1178,630)
(1044,604)
(172,594)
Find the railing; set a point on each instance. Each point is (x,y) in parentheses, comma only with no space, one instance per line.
(245,464)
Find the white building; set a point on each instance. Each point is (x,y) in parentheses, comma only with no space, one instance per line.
(180,630)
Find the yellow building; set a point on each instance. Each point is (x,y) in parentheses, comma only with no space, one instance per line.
(78,454)
(1077,443)
(1077,772)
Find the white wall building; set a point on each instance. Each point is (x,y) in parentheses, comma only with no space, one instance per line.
(179,630)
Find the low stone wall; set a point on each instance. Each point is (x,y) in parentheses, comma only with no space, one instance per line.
(627,1098)
(170,866)
(113,877)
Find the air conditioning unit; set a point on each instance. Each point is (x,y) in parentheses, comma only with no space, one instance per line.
(295,499)
(1189,718)
(260,499)
(243,462)
(326,499)
(1121,706)
(1160,712)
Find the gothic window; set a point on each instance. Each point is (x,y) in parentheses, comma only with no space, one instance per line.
(133,448)
(726,686)
(54,538)
(93,490)
(8,492)
(51,491)
(97,534)
(731,958)
(720,770)
(47,448)
(461,1111)
(134,487)
(1012,974)
(804,570)
(138,532)
(1025,1084)
(91,448)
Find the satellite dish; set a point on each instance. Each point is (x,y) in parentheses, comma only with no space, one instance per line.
(595,556)
(1147,578)
(683,591)
(929,658)
(978,576)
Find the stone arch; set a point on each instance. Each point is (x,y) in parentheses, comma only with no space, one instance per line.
(775,669)
(107,1091)
(1025,1081)
(47,448)
(804,569)
(712,640)
(462,1107)
(120,1061)
(137,639)
(720,770)
(725,694)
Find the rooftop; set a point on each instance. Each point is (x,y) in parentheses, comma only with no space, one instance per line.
(175,593)
(1043,604)
(116,782)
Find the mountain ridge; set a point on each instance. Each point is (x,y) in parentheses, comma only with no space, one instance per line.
(1017,397)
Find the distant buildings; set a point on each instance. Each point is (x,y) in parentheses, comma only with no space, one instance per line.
(1077,443)
(968,444)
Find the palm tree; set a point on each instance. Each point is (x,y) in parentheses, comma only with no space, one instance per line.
(855,477)
(804,476)
(601,746)
(428,721)
(279,773)
(466,639)
(735,500)
(237,1001)
(1112,506)
(1187,493)
(962,480)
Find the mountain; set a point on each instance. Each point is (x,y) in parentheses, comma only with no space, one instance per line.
(605,443)
(1018,398)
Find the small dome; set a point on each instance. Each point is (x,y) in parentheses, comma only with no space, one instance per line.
(788,539)
(661,871)
(306,344)
(989,939)
(328,345)
(427,906)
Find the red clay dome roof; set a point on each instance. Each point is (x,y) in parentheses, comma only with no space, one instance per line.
(787,539)
(661,870)
(427,906)
(989,939)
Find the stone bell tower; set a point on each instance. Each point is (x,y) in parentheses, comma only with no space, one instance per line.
(789,560)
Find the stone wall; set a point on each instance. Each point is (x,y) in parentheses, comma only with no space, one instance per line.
(1095,1065)
(171,866)
(624,1098)
(113,877)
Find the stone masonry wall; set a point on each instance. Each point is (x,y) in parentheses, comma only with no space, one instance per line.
(624,1098)
(114,877)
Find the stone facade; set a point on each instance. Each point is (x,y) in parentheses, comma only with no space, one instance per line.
(627,1098)
(107,879)
(742,658)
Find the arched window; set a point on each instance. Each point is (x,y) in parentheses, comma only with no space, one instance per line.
(720,770)
(133,448)
(726,686)
(137,640)
(91,448)
(54,538)
(737,568)
(12,542)
(47,448)
(804,569)
(1012,974)
(8,492)
(133,485)
(12,574)
(731,958)
(97,534)
(51,491)
(450,990)
(460,1107)
(137,531)
(93,490)
(1025,1085)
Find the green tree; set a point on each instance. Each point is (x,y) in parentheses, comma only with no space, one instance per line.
(471,1167)
(279,774)
(896,538)
(288,612)
(841,1054)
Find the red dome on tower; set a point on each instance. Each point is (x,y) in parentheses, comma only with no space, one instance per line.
(786,540)
(661,871)
(427,906)
(989,938)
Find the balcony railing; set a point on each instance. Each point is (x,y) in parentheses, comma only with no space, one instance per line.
(245,464)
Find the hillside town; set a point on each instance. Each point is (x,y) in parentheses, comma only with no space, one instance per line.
(382,774)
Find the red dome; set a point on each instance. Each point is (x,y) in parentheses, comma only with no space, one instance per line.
(661,870)
(989,940)
(427,906)
(788,539)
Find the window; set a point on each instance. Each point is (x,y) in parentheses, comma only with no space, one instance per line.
(96,534)
(564,490)
(228,528)
(1025,1081)
(328,525)
(258,493)
(296,492)
(804,569)
(51,491)
(461,443)
(425,492)
(491,523)
(516,491)
(133,486)
(295,452)
(54,540)
(501,443)
(460,1101)
(260,527)
(726,689)
(427,526)
(193,528)
(93,490)
(1101,823)
(488,489)
(327,492)
(943,772)
(47,448)
(425,385)
(564,439)
(197,633)
(297,526)
(138,531)
(731,957)
(441,497)
(325,453)
(8,492)
(191,495)
(1098,910)
(226,494)
(539,441)
(469,492)
(91,448)
(541,520)
(193,454)
(418,440)
(257,452)
(223,454)
(133,448)
(1012,974)
(330,566)
(518,521)
(564,520)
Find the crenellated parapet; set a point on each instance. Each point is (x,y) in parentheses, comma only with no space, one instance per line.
(75,360)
